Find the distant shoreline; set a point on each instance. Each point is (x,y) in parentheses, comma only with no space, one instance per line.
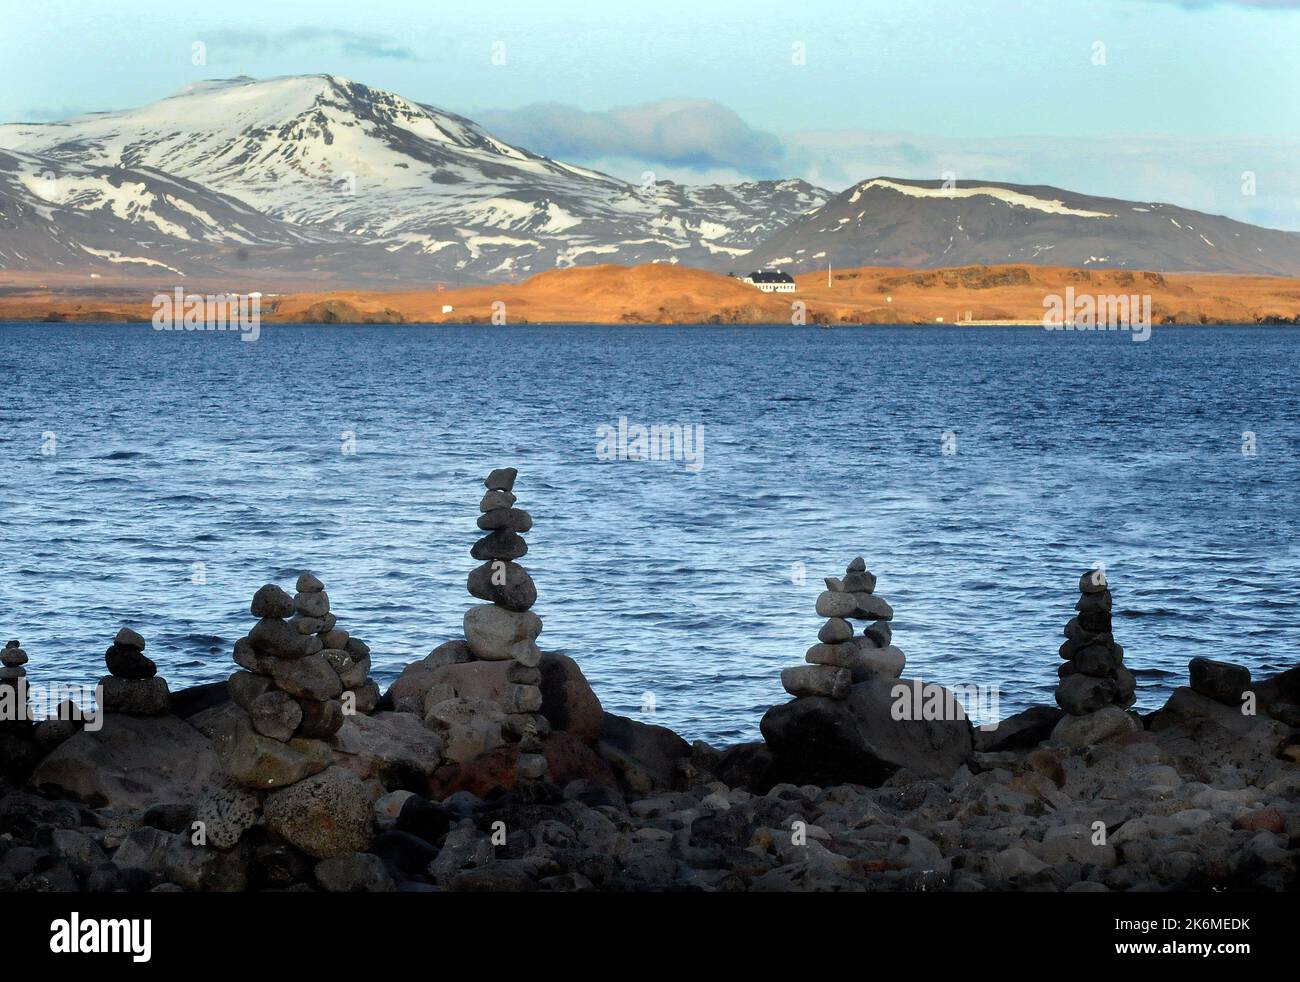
(1013,295)
(1030,325)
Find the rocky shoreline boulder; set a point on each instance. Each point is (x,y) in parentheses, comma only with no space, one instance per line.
(643,756)
(130,762)
(861,740)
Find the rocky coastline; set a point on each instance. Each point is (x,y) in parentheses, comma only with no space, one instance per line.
(490,765)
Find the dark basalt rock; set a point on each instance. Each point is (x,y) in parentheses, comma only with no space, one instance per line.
(126,662)
(881,633)
(187,702)
(857,740)
(568,701)
(509,519)
(279,639)
(746,765)
(1082,694)
(402,853)
(517,593)
(424,819)
(502,544)
(271,601)
(320,720)
(1219,680)
(501,479)
(1095,621)
(1098,660)
(645,757)
(1019,732)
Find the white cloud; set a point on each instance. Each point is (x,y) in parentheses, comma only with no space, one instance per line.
(694,134)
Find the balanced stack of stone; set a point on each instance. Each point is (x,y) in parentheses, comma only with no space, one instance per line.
(132,685)
(505,629)
(303,675)
(348,656)
(840,659)
(12,660)
(1093,675)
(18,721)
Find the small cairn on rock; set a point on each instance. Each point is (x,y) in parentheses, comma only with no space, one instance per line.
(301,677)
(12,660)
(23,737)
(17,713)
(1093,675)
(840,659)
(505,629)
(132,685)
(18,753)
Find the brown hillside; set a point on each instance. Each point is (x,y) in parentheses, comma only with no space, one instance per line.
(666,294)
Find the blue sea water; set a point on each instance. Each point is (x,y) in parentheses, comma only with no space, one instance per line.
(678,591)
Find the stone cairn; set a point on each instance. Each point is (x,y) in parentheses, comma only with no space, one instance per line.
(19,722)
(1093,675)
(301,671)
(301,677)
(132,684)
(12,660)
(839,659)
(18,754)
(505,629)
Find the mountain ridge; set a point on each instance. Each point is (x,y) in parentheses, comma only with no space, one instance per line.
(320,178)
(432,189)
(887,221)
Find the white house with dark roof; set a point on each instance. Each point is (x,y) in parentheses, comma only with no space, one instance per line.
(771,281)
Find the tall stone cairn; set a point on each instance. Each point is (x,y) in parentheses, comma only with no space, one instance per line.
(505,628)
(839,659)
(132,684)
(1093,675)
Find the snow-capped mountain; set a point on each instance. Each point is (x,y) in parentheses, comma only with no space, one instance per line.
(317,177)
(331,163)
(55,214)
(892,222)
(61,218)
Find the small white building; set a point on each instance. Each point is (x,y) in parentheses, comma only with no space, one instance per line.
(771,281)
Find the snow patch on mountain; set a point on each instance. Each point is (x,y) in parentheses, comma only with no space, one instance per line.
(1016,198)
(114,256)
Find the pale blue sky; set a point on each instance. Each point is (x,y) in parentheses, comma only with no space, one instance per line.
(1213,85)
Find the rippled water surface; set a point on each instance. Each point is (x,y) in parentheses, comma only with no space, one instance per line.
(177,449)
